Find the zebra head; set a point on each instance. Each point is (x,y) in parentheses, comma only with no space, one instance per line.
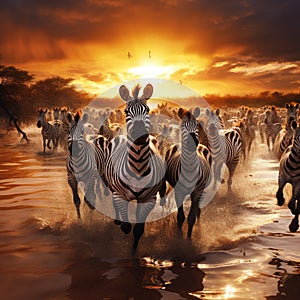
(292,113)
(268,116)
(56,113)
(41,117)
(189,128)
(76,135)
(137,113)
(213,123)
(296,139)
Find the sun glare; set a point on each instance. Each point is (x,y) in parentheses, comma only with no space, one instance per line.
(152,71)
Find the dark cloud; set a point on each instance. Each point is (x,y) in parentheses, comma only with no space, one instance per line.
(240,32)
(262,29)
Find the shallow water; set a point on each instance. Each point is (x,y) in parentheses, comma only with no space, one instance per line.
(241,249)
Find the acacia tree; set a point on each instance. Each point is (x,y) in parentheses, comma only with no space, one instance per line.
(58,91)
(14,90)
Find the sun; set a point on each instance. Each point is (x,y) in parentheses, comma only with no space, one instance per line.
(152,71)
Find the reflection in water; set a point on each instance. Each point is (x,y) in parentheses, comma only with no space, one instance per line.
(132,279)
(288,284)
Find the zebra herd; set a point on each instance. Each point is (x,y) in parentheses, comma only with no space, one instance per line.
(141,155)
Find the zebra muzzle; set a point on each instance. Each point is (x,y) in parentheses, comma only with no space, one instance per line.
(192,142)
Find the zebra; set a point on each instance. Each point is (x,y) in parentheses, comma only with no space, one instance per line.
(289,172)
(247,130)
(164,139)
(85,162)
(285,136)
(66,117)
(58,125)
(49,132)
(188,171)
(134,169)
(105,128)
(272,129)
(225,147)
(202,135)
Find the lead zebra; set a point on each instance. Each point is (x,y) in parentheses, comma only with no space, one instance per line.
(187,169)
(225,147)
(85,163)
(289,172)
(134,170)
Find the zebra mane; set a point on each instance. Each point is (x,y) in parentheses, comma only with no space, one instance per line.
(135,91)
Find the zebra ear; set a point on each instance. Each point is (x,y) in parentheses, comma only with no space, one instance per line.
(69,117)
(77,116)
(148,91)
(207,112)
(124,93)
(197,112)
(180,112)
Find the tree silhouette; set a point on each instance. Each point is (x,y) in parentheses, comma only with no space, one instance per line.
(14,88)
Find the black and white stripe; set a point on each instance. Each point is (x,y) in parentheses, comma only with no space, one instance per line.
(49,132)
(289,172)
(285,136)
(225,147)
(85,163)
(272,129)
(134,171)
(104,128)
(187,169)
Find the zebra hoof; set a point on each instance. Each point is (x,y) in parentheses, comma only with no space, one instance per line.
(126,227)
(117,222)
(293,227)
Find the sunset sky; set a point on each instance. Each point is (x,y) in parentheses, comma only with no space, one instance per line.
(211,46)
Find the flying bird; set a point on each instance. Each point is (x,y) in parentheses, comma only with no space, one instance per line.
(149,54)
(129,55)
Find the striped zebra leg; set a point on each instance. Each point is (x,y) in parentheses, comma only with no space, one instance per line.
(121,209)
(294,206)
(194,212)
(48,144)
(294,203)
(44,144)
(179,197)
(89,195)
(74,186)
(279,194)
(293,227)
(217,167)
(142,212)
(231,168)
